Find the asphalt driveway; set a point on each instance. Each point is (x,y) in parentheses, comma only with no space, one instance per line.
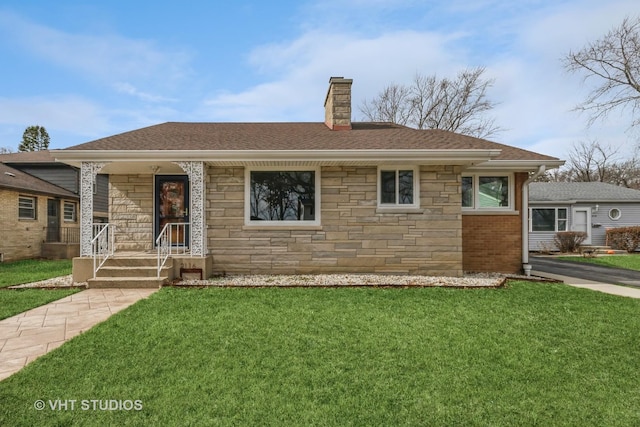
(585,271)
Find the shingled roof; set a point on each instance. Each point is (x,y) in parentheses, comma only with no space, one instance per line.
(39,156)
(298,136)
(560,192)
(17,180)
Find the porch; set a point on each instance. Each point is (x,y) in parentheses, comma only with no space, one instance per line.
(156,227)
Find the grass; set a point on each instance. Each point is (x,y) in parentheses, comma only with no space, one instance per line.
(630,262)
(529,354)
(13,302)
(32,270)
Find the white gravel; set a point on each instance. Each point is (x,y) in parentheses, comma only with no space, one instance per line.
(56,282)
(472,281)
(468,281)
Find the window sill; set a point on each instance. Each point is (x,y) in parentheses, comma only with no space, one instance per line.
(398,210)
(490,212)
(265,227)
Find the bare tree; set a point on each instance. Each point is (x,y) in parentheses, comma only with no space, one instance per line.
(614,63)
(5,150)
(391,105)
(458,105)
(591,161)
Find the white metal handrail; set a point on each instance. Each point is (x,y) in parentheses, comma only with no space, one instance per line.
(102,245)
(172,240)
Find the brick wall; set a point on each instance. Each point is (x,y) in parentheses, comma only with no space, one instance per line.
(131,210)
(23,238)
(493,242)
(355,236)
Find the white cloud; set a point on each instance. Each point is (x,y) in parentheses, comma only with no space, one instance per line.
(131,90)
(105,57)
(299,72)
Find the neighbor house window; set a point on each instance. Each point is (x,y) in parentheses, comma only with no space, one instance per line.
(283,196)
(548,219)
(69,212)
(615,214)
(27,207)
(486,192)
(398,187)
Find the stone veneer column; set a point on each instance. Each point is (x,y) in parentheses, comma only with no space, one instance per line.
(195,170)
(88,172)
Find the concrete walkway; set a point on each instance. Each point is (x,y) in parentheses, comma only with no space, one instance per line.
(623,291)
(29,335)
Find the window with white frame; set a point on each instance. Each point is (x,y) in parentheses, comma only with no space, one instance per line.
(288,196)
(398,187)
(548,219)
(69,212)
(27,207)
(486,192)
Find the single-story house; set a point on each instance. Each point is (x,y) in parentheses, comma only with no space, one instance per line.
(33,215)
(592,207)
(323,197)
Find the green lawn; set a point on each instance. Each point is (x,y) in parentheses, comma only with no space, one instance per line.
(630,262)
(13,302)
(32,270)
(528,354)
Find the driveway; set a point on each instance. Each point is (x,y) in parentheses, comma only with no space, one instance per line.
(585,271)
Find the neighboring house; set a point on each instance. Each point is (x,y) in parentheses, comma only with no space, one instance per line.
(34,212)
(292,198)
(41,164)
(592,207)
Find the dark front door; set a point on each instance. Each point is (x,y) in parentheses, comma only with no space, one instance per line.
(172,206)
(53,220)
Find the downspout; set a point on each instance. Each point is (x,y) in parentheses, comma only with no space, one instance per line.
(525,219)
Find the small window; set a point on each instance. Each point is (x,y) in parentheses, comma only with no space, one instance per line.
(548,219)
(69,212)
(615,214)
(27,207)
(397,187)
(486,192)
(280,197)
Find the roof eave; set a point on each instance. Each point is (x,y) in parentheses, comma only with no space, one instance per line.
(461,157)
(516,165)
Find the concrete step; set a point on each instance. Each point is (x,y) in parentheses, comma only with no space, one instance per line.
(116,261)
(126,282)
(133,271)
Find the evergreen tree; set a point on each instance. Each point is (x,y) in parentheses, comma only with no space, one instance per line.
(34,138)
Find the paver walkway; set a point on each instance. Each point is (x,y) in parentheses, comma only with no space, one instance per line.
(26,336)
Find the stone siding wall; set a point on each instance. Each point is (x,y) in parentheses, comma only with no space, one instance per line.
(131,210)
(355,236)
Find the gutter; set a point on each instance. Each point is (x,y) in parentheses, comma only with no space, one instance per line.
(525,219)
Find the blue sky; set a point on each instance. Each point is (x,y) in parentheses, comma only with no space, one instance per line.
(85,70)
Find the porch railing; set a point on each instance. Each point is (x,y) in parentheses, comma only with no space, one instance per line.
(63,235)
(172,240)
(102,245)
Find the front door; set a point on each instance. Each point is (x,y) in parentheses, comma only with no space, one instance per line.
(172,206)
(581,221)
(53,220)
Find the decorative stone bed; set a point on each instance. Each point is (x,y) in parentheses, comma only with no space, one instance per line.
(320,280)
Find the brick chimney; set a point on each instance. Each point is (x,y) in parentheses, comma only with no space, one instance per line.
(337,105)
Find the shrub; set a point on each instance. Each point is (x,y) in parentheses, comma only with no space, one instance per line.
(624,238)
(569,241)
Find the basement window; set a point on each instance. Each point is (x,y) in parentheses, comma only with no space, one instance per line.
(27,207)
